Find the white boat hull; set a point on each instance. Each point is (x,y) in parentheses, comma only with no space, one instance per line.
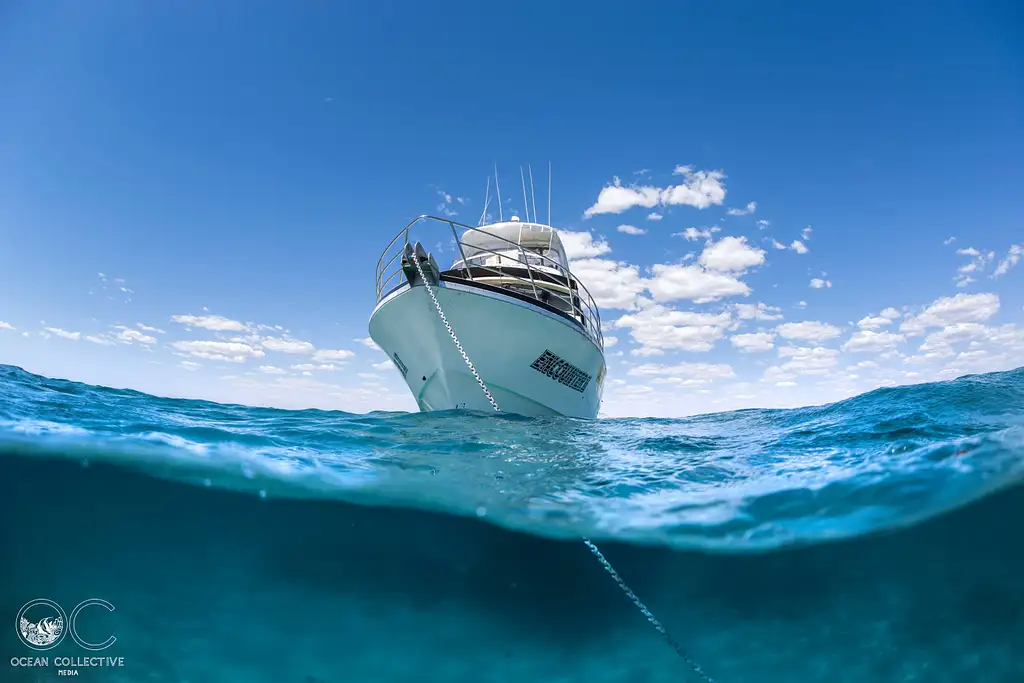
(533,361)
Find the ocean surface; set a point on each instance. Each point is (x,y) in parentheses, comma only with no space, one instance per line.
(880,538)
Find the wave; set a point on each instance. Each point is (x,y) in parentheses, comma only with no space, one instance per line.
(742,481)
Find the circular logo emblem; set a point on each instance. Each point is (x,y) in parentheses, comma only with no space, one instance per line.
(41,624)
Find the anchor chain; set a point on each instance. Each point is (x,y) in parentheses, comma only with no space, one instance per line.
(590,544)
(458,344)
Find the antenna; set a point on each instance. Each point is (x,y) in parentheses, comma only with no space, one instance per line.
(498,190)
(526,204)
(487,202)
(533,194)
(549,193)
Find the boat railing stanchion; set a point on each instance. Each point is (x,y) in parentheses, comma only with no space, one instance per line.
(462,252)
(529,271)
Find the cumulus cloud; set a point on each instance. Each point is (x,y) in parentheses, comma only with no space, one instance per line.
(949,310)
(694,234)
(216,323)
(808,330)
(1013,257)
(699,189)
(612,284)
(753,342)
(631,230)
(64,334)
(227,351)
(658,328)
(818,283)
(758,311)
(327,355)
(685,373)
(674,282)
(731,254)
(867,340)
(750,208)
(580,245)
(288,345)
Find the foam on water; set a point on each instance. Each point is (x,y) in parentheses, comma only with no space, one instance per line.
(739,481)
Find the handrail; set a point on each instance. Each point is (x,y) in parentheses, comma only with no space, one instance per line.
(579,300)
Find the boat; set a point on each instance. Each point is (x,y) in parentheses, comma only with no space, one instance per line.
(506,324)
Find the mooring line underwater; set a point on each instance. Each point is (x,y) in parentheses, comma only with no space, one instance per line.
(658,626)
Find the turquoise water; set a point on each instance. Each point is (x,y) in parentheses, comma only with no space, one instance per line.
(875,539)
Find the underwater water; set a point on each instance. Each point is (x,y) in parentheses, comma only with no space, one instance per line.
(874,539)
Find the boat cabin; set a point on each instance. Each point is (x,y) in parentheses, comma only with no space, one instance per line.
(527,259)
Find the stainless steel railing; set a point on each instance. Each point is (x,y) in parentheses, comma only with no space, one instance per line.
(577,301)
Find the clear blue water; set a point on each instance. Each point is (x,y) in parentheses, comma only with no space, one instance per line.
(875,539)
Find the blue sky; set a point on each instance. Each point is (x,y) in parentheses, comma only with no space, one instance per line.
(233,171)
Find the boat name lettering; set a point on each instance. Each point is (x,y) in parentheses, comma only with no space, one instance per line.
(562,371)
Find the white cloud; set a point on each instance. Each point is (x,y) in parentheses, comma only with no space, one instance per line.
(809,330)
(101,340)
(288,345)
(753,342)
(6,326)
(657,328)
(762,224)
(778,245)
(127,335)
(328,355)
(1013,257)
(731,254)
(674,282)
(231,352)
(654,216)
(272,370)
(800,304)
(799,247)
(694,234)
(616,199)
(949,241)
(631,230)
(384,365)
(612,284)
(883,319)
(757,312)
(217,323)
(802,361)
(368,343)
(609,342)
(699,189)
(74,336)
(957,332)
(977,265)
(189,365)
(818,283)
(326,367)
(866,340)
(579,245)
(948,310)
(684,374)
(806,232)
(751,208)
